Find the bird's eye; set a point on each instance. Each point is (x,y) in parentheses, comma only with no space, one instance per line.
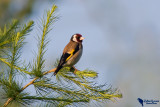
(78,38)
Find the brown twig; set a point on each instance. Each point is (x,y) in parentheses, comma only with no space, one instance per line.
(7,102)
(31,82)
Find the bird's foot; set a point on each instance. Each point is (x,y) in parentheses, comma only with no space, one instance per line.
(74,69)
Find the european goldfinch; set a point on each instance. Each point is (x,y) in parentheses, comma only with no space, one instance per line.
(71,53)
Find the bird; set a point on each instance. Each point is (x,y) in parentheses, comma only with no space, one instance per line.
(71,53)
(140,101)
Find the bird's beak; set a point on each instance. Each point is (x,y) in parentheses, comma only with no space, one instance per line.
(81,38)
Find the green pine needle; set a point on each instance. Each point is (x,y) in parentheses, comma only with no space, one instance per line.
(39,65)
(87,73)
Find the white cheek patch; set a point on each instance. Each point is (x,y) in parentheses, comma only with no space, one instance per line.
(74,38)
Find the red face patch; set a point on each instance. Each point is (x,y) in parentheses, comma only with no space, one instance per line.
(78,36)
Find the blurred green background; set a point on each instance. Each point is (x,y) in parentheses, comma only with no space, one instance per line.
(122,41)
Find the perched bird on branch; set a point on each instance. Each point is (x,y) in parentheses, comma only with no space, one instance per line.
(71,53)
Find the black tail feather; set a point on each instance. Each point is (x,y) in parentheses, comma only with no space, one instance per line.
(57,70)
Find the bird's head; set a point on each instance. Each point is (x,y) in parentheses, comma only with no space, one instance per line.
(77,38)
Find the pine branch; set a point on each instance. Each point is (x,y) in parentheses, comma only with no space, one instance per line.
(54,99)
(11,90)
(93,92)
(4,60)
(37,69)
(7,102)
(38,66)
(6,36)
(16,41)
(57,88)
(30,83)
(13,26)
(14,52)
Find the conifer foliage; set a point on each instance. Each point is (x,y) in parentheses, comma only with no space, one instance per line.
(70,87)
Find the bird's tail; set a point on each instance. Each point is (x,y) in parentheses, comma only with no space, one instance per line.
(57,70)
